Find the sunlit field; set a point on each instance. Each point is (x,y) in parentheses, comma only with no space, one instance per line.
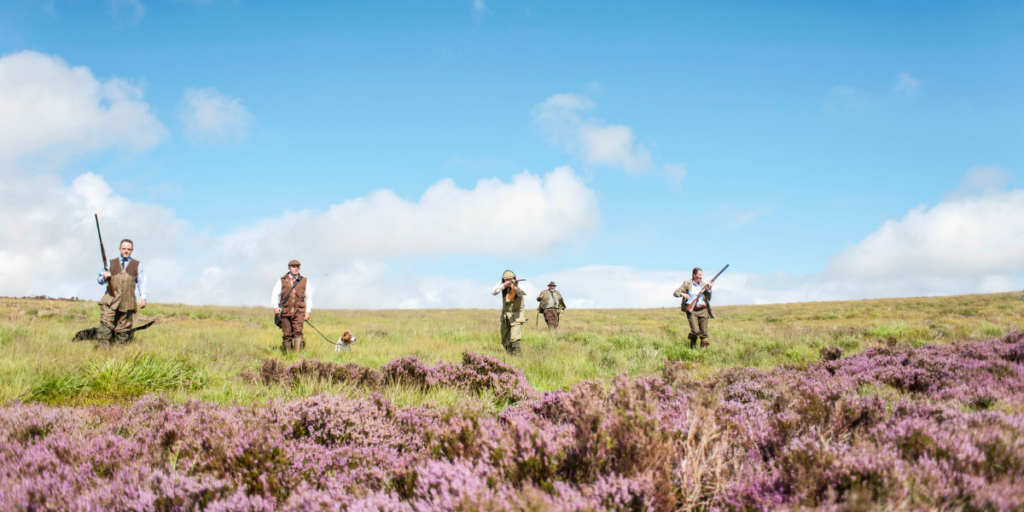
(200,352)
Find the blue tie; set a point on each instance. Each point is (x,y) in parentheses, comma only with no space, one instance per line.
(124,263)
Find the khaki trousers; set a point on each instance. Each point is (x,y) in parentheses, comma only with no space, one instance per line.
(113,323)
(291,332)
(511,334)
(698,324)
(551,318)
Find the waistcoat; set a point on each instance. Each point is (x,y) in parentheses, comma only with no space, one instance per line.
(514,305)
(296,302)
(122,282)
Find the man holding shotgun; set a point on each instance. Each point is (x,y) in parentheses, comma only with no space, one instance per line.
(126,293)
(697,306)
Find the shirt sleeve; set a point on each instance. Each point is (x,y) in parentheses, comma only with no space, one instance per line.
(141,284)
(100,279)
(498,289)
(309,297)
(275,296)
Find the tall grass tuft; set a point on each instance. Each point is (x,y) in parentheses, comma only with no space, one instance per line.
(129,377)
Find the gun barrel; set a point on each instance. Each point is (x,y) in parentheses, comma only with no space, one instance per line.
(720,272)
(103,252)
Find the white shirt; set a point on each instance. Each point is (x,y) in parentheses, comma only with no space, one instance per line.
(498,289)
(275,297)
(501,288)
(552,300)
(695,289)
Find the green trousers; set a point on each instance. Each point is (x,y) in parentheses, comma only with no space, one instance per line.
(511,334)
(114,324)
(698,324)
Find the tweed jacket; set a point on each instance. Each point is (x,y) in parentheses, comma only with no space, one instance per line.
(684,292)
(543,299)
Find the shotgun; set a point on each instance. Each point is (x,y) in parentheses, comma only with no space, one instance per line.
(103,252)
(512,289)
(692,303)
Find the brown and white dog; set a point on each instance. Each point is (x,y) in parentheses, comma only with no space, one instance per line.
(345,343)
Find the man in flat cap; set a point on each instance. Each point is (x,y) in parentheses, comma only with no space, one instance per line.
(126,294)
(513,312)
(293,300)
(551,306)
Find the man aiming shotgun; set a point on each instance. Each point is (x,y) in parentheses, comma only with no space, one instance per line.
(697,305)
(513,312)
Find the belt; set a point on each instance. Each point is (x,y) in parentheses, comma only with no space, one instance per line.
(698,308)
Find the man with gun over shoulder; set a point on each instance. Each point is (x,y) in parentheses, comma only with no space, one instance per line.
(697,305)
(126,293)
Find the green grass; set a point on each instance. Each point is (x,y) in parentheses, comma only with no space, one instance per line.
(199,352)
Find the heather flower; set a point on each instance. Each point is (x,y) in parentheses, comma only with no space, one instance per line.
(937,427)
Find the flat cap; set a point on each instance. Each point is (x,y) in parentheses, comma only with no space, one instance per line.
(508,274)
(294,263)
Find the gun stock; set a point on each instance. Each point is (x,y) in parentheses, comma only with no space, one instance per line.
(511,295)
(693,300)
(103,253)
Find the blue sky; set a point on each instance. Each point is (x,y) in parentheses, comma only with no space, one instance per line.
(802,128)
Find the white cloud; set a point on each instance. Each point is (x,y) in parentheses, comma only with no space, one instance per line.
(970,242)
(976,236)
(542,212)
(593,140)
(964,244)
(51,110)
(906,84)
(131,11)
(674,173)
(48,240)
(210,116)
(48,244)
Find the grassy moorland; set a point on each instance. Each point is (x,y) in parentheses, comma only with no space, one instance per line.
(201,352)
(910,404)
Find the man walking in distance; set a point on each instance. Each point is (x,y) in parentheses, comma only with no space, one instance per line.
(698,319)
(125,295)
(294,306)
(513,312)
(551,305)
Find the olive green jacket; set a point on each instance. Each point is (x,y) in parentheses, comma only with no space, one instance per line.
(515,310)
(684,292)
